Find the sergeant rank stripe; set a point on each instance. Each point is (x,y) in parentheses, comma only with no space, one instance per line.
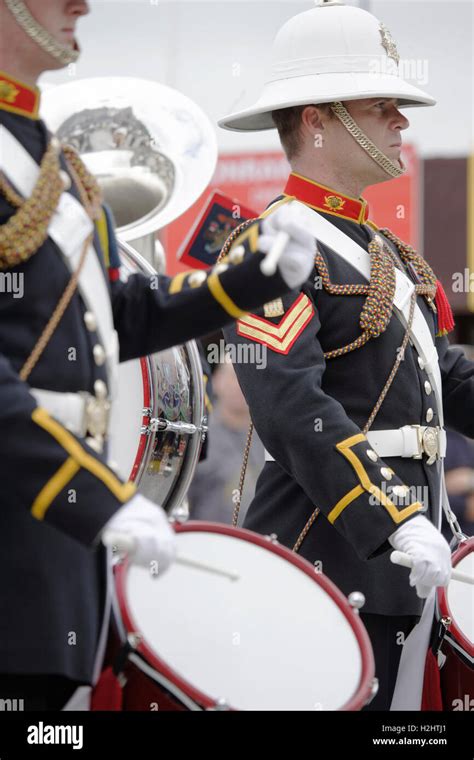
(279,337)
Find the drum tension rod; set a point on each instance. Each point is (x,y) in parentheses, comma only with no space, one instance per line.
(159,424)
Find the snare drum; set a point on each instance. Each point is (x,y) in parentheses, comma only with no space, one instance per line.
(158,416)
(456,612)
(253,627)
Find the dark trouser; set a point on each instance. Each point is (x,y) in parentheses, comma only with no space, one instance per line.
(34,692)
(387,635)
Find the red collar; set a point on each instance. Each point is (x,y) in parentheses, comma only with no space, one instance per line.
(326,199)
(17,97)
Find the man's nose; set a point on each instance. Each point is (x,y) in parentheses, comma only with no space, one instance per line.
(78,8)
(400,121)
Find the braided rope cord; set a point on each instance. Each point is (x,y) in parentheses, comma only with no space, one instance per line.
(25,231)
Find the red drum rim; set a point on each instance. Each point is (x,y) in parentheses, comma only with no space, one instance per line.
(453,631)
(147,404)
(364,688)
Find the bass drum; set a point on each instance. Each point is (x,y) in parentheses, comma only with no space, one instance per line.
(158,424)
(238,622)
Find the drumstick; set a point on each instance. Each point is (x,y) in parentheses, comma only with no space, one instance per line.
(400,558)
(270,262)
(126,545)
(207,568)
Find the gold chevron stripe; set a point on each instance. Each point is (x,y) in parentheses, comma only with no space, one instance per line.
(279,330)
(278,344)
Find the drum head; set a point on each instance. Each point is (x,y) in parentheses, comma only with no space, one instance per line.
(278,637)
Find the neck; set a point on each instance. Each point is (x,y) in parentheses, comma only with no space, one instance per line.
(21,70)
(333,178)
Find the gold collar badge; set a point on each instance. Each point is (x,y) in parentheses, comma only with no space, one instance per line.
(334,202)
(8,91)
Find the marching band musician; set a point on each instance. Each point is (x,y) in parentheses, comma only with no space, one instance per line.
(354,454)
(58,356)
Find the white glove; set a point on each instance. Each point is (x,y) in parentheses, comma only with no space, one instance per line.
(429,551)
(145,525)
(297,260)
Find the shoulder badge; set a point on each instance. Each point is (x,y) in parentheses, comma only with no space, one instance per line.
(274,308)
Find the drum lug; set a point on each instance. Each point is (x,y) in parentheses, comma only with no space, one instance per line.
(147,411)
(179,514)
(356,600)
(374,687)
(134,638)
(272,537)
(221,704)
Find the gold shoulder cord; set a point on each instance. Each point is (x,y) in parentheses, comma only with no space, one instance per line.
(375,316)
(25,232)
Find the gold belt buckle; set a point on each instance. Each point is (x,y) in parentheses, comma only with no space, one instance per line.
(97,415)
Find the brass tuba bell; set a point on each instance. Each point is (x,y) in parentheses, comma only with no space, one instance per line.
(152,149)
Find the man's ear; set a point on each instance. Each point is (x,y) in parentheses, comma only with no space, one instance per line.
(311,119)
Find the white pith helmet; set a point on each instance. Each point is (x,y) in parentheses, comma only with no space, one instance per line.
(333,52)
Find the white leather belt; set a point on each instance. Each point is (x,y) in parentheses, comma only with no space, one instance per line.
(81,413)
(407,441)
(410,441)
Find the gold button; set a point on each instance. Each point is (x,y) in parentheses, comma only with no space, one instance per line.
(100,389)
(372,455)
(236,256)
(427,388)
(220,268)
(90,321)
(421,363)
(65,179)
(99,354)
(429,414)
(196,279)
(55,144)
(400,490)
(386,473)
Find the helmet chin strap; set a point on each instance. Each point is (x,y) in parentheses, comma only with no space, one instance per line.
(361,138)
(39,34)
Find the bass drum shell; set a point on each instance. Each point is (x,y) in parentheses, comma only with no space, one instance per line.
(456,602)
(166,385)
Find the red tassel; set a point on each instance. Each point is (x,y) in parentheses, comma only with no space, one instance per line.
(114,274)
(107,693)
(445,313)
(432,698)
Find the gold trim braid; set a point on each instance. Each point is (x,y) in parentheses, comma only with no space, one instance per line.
(26,231)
